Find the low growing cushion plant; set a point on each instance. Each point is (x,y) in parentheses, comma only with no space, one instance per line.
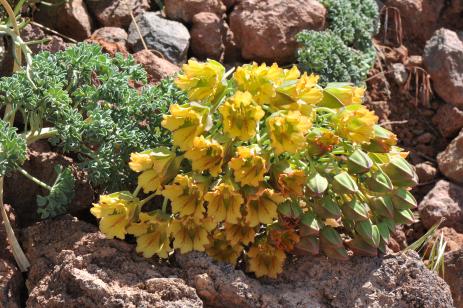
(264,163)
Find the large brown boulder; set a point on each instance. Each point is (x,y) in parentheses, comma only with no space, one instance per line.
(116,13)
(74,265)
(445,200)
(211,38)
(443,56)
(156,67)
(451,159)
(265,29)
(71,18)
(184,10)
(454,275)
(449,120)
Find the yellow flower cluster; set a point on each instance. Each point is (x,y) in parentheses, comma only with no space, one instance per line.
(257,167)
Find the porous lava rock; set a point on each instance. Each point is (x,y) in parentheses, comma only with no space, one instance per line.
(265,30)
(156,67)
(184,10)
(74,265)
(451,159)
(445,200)
(443,59)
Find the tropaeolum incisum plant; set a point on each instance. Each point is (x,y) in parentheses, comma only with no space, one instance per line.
(264,163)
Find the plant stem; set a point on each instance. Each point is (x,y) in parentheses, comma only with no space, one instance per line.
(34,179)
(18,253)
(144,201)
(136,191)
(44,133)
(164,205)
(12,17)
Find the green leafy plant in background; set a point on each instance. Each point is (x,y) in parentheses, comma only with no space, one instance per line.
(91,109)
(344,52)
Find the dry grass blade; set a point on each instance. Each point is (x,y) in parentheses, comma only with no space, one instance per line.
(392,26)
(422,83)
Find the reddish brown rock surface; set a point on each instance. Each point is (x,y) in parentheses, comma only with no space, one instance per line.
(265,29)
(445,200)
(71,18)
(451,160)
(449,120)
(454,275)
(156,67)
(116,13)
(419,18)
(443,56)
(21,192)
(184,10)
(211,38)
(74,265)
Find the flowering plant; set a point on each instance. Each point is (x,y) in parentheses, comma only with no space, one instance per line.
(265,162)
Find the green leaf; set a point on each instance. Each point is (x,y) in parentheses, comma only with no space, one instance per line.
(355,210)
(60,196)
(12,148)
(379,182)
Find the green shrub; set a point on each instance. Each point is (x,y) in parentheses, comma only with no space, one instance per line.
(345,51)
(96,108)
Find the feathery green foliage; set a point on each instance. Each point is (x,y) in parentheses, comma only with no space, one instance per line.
(96,112)
(12,148)
(345,51)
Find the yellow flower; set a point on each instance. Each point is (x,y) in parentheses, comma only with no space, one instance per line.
(190,233)
(201,81)
(221,250)
(292,182)
(261,81)
(140,162)
(186,196)
(288,130)
(224,204)
(347,94)
(284,239)
(262,207)
(206,155)
(115,211)
(240,116)
(266,260)
(239,233)
(161,160)
(248,167)
(356,123)
(304,89)
(152,233)
(321,140)
(185,123)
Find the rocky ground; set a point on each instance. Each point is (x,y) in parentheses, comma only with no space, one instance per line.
(72,263)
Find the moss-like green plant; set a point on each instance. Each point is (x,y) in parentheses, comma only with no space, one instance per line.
(345,51)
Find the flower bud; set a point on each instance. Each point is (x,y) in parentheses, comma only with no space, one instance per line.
(382,206)
(368,232)
(359,162)
(403,200)
(400,172)
(379,182)
(343,183)
(355,210)
(317,184)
